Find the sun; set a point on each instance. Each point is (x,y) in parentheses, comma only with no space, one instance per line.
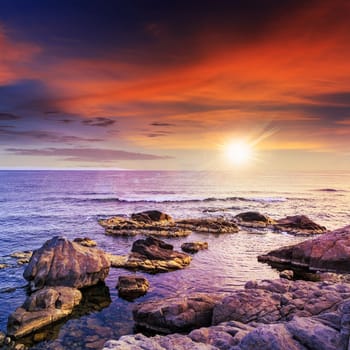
(239,152)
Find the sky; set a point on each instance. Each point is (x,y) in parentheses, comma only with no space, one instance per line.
(168,85)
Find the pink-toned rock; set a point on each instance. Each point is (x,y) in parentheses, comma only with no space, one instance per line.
(330,252)
(299,225)
(60,262)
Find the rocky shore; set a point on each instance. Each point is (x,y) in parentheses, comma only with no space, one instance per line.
(266,314)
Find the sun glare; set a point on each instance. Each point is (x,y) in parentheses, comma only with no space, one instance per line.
(239,152)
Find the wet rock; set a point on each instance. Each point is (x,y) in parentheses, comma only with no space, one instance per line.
(42,308)
(211,225)
(194,247)
(299,225)
(153,223)
(132,287)
(154,255)
(86,242)
(175,314)
(60,262)
(254,219)
(151,216)
(3,266)
(22,257)
(330,252)
(2,338)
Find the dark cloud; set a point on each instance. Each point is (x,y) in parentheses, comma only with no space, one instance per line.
(42,135)
(8,116)
(337,98)
(85,154)
(158,134)
(66,121)
(161,124)
(99,121)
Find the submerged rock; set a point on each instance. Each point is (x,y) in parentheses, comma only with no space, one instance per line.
(194,247)
(254,219)
(330,252)
(60,262)
(41,309)
(86,242)
(299,225)
(154,255)
(132,287)
(211,225)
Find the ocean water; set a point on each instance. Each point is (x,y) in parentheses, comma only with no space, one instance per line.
(38,205)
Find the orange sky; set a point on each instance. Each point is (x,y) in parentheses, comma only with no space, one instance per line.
(176,87)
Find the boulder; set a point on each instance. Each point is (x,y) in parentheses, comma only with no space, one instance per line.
(209,225)
(175,314)
(299,225)
(132,287)
(60,262)
(194,247)
(41,309)
(154,255)
(330,252)
(151,216)
(254,219)
(86,242)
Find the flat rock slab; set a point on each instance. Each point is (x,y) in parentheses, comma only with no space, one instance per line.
(41,309)
(211,225)
(330,252)
(132,287)
(60,262)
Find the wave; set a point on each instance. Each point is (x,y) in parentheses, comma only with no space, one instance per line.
(187,200)
(329,190)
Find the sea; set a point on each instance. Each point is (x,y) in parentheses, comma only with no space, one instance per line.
(38,205)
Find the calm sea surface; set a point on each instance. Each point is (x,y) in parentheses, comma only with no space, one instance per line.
(37,205)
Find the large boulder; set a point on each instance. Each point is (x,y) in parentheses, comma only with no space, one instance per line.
(175,314)
(60,262)
(254,219)
(330,252)
(154,255)
(41,309)
(299,225)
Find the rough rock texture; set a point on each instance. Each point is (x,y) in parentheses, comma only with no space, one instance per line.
(117,260)
(140,342)
(151,216)
(132,287)
(212,225)
(299,225)
(194,247)
(308,316)
(330,252)
(153,255)
(254,219)
(150,222)
(175,314)
(42,308)
(60,262)
(86,242)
